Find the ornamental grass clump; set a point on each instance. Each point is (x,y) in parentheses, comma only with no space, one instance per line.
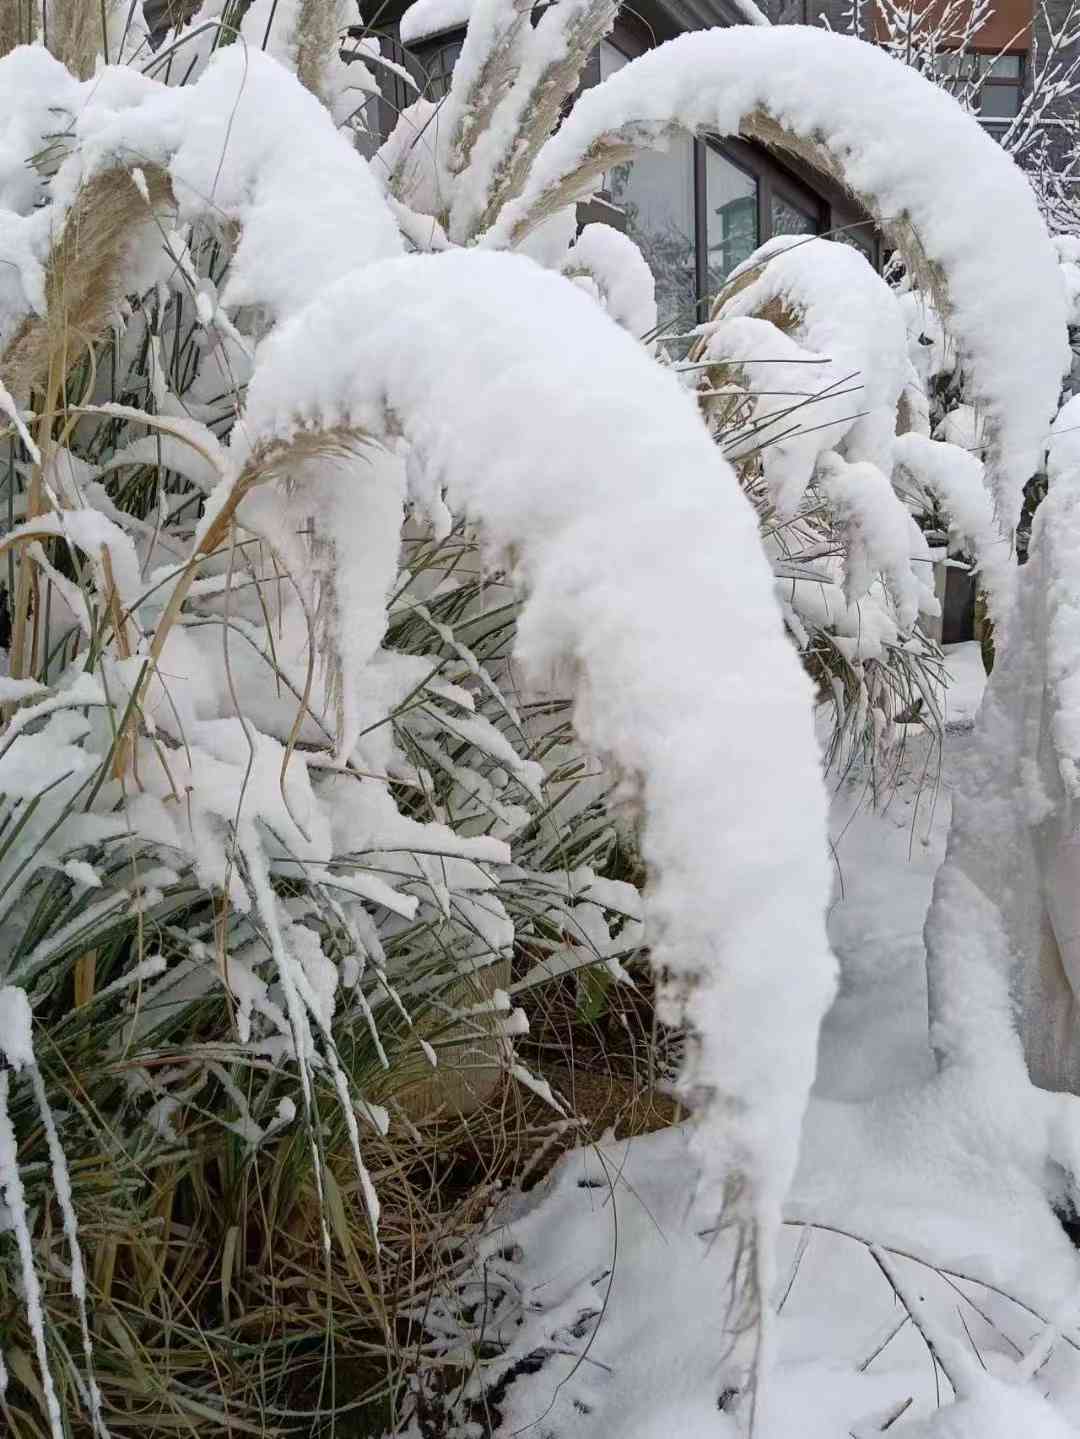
(354,696)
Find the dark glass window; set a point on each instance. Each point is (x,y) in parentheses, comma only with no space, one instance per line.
(697,210)
(1000,81)
(731,208)
(434,62)
(789,218)
(655,192)
(859,237)
(611,59)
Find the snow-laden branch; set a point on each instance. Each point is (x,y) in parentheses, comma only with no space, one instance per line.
(590,468)
(901,145)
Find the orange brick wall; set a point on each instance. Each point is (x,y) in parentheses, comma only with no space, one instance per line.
(1008,27)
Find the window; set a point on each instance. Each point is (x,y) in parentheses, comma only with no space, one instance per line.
(998,81)
(731,209)
(1003,89)
(611,59)
(859,236)
(434,63)
(697,210)
(791,219)
(656,194)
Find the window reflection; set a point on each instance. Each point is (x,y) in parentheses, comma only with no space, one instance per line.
(791,219)
(859,237)
(656,194)
(999,80)
(438,63)
(731,199)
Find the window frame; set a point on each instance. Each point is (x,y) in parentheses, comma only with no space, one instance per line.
(1016,84)
(771,179)
(701,209)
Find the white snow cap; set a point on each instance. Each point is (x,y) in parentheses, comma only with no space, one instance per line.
(1005,300)
(624,280)
(433,17)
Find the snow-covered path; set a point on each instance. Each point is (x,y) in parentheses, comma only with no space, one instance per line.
(874,1038)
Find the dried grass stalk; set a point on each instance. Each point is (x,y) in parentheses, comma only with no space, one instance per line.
(316,41)
(899,232)
(76,32)
(83,277)
(20,22)
(541,109)
(606,151)
(470,109)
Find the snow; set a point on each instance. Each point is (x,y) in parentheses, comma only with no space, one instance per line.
(800,404)
(16,1028)
(17,1051)
(965,428)
(425,18)
(1059,536)
(607,1280)
(938,1174)
(1003,922)
(591,536)
(995,1409)
(548,55)
(624,281)
(35,86)
(405,165)
(497,28)
(61,1179)
(306,39)
(14,1196)
(879,536)
(1005,302)
(751,13)
(967,682)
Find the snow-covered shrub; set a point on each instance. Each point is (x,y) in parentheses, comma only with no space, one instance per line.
(801,372)
(272,805)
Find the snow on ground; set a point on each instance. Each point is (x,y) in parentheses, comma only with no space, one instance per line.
(604,1267)
(874,1038)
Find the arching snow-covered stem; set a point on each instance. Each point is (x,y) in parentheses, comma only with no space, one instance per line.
(622,582)
(847,108)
